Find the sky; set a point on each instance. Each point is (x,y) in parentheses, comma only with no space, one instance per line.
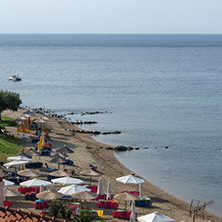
(111,16)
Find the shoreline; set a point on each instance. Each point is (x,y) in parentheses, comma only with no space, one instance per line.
(111,168)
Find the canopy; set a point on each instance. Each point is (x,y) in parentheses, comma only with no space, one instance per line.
(15,163)
(44,118)
(35,183)
(155,217)
(49,195)
(69,190)
(60,173)
(67,180)
(29,112)
(8,183)
(39,121)
(28,173)
(19,158)
(65,150)
(10,193)
(90,173)
(126,197)
(130,179)
(32,152)
(58,154)
(84,195)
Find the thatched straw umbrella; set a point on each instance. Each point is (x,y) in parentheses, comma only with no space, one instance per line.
(49,195)
(58,160)
(90,173)
(60,173)
(58,154)
(32,152)
(28,173)
(10,193)
(126,197)
(84,195)
(65,150)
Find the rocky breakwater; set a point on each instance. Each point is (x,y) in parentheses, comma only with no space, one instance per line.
(125,148)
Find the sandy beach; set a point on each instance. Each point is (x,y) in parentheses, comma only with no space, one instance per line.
(89,151)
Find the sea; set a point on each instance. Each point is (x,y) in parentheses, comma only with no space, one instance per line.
(163,92)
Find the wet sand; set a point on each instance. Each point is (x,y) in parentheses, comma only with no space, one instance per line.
(88,151)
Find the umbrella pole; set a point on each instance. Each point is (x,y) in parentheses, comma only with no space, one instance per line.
(125,205)
(90,180)
(6,201)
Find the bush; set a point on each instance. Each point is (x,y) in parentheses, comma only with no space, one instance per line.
(57,210)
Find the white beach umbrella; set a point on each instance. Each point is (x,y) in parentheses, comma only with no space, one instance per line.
(15,163)
(155,217)
(39,121)
(100,190)
(132,179)
(19,158)
(69,190)
(67,181)
(133,215)
(35,183)
(108,195)
(44,118)
(8,183)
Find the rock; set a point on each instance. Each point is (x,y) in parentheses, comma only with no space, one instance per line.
(120,148)
(116,132)
(109,148)
(129,148)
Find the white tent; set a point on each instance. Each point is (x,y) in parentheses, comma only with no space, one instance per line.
(132,179)
(67,181)
(15,163)
(69,190)
(35,183)
(155,217)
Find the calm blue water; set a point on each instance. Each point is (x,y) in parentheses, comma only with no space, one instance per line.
(159,90)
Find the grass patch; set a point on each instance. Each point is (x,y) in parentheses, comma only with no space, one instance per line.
(9,146)
(7,121)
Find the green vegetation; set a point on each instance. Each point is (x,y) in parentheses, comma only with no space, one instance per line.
(7,121)
(9,145)
(59,210)
(9,100)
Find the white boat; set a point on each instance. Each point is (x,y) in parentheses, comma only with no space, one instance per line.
(15,78)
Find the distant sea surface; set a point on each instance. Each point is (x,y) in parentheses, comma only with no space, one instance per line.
(158,90)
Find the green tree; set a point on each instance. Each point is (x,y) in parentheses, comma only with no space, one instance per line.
(9,100)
